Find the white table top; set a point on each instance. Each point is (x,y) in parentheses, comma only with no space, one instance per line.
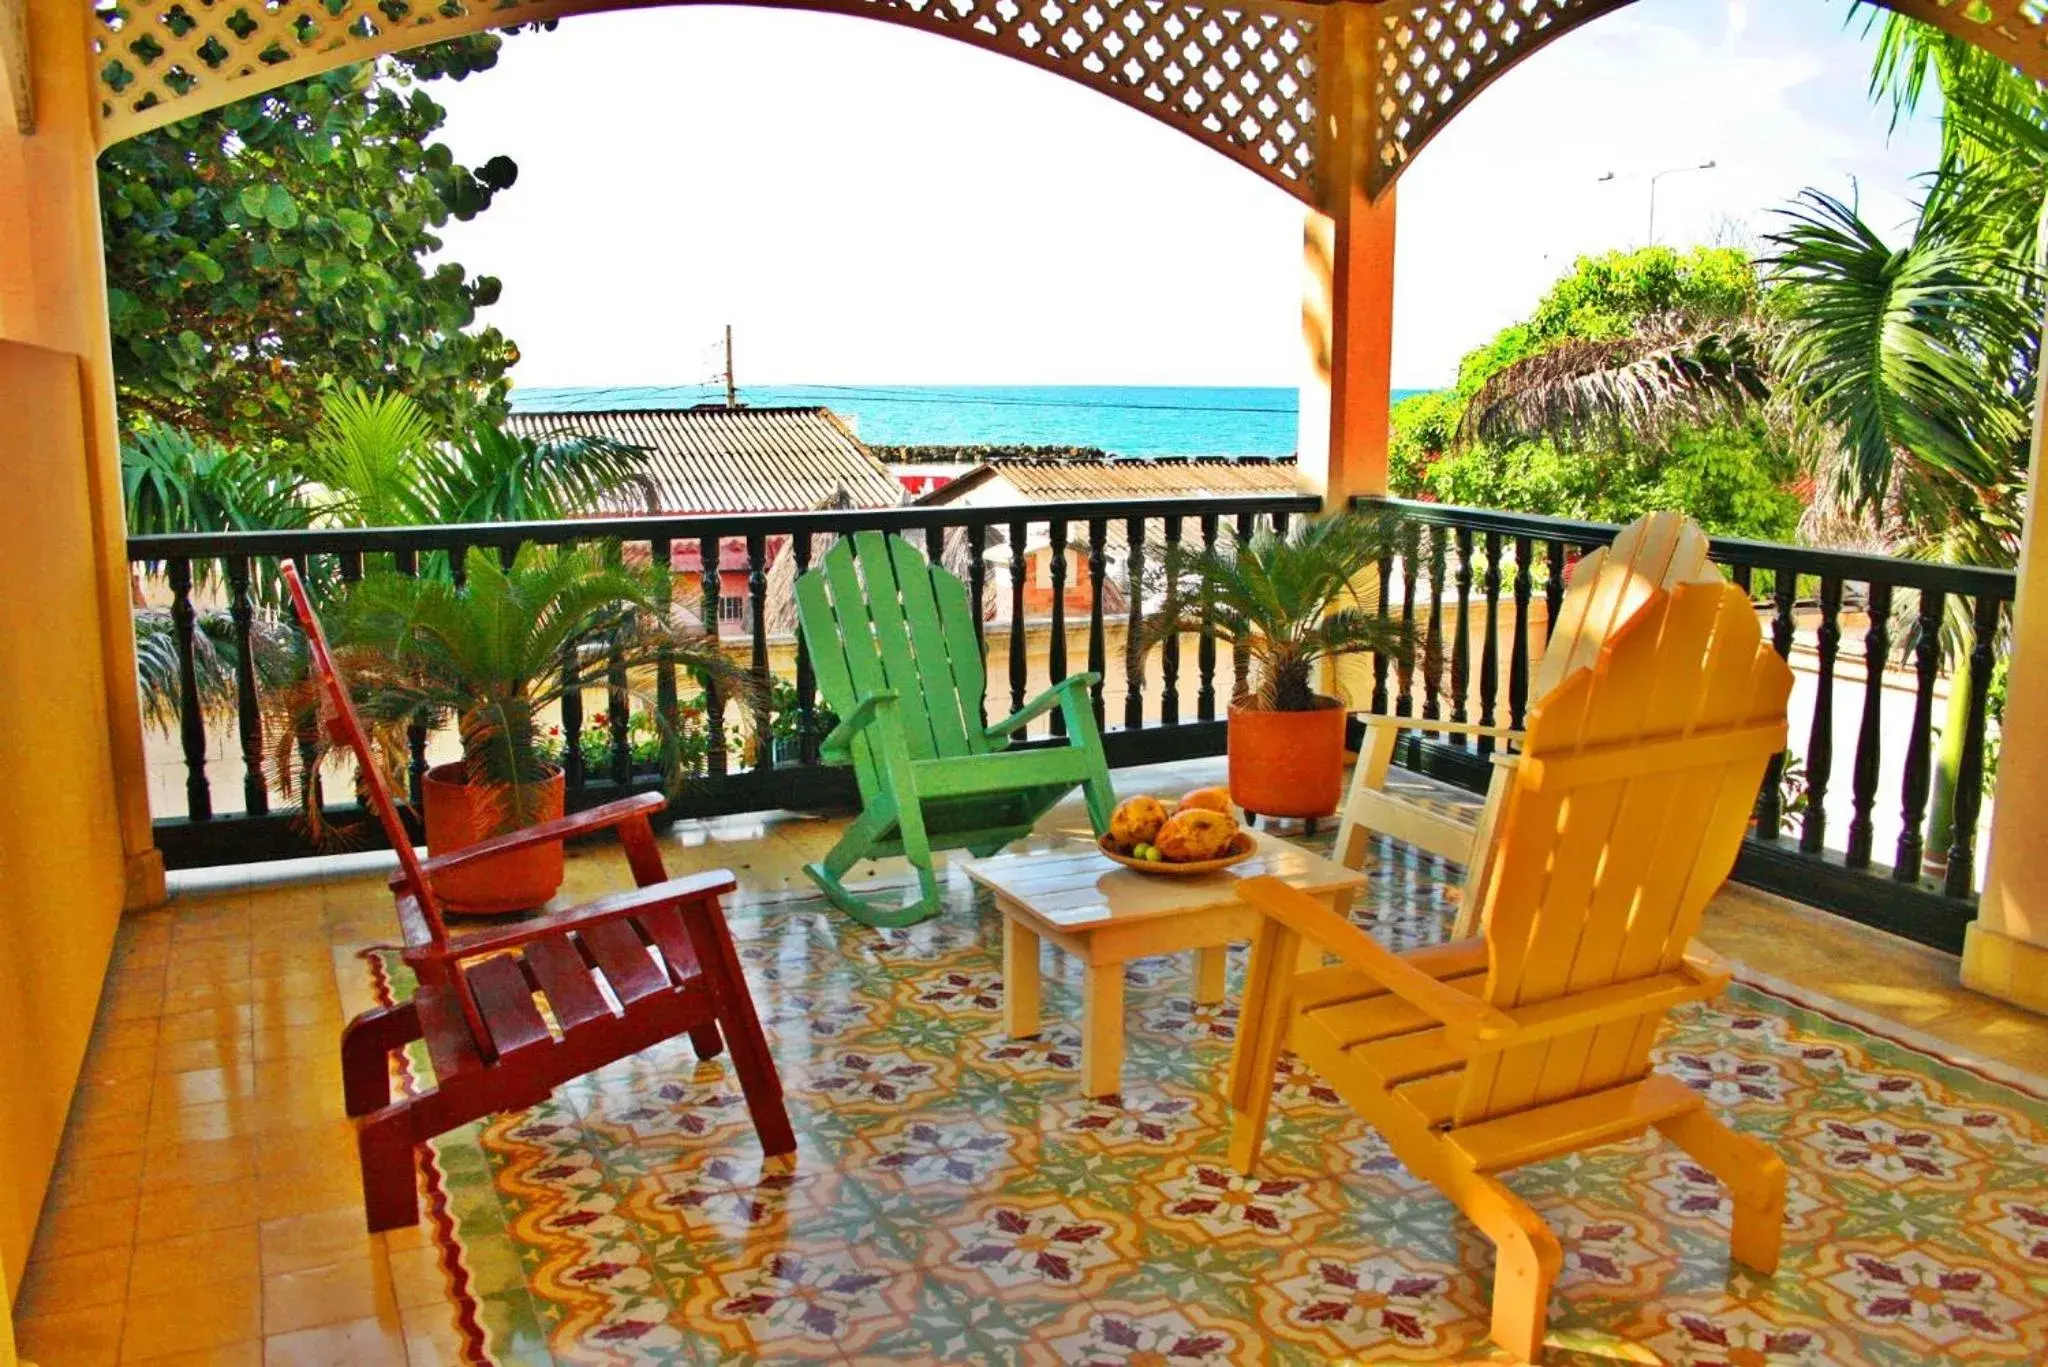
(1065,881)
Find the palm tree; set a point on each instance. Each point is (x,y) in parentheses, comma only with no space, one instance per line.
(488,656)
(1288,600)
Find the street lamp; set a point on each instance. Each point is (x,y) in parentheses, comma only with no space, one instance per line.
(1655,176)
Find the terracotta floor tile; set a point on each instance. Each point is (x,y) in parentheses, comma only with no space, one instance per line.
(112,1065)
(74,1338)
(229,1312)
(297,1242)
(336,1293)
(207,1023)
(214,1051)
(201,1086)
(366,1342)
(416,1276)
(83,1280)
(173,1212)
(192,1260)
(280,1040)
(199,1163)
(306,1190)
(179,1125)
(331,1142)
(247,1353)
(79,1180)
(431,1338)
(86,1228)
(126,1034)
(111,1136)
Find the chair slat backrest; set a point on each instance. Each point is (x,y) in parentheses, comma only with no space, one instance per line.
(347,725)
(875,614)
(1657,550)
(1627,809)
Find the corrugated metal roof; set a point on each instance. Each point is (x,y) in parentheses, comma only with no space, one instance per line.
(1060,481)
(735,460)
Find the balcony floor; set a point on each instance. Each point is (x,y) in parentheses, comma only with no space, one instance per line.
(971,1207)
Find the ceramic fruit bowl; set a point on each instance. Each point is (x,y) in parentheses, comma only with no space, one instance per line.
(1240,848)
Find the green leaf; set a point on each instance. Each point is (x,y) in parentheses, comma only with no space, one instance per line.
(280,208)
(357,224)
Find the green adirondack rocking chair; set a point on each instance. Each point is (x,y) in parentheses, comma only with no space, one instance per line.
(892,640)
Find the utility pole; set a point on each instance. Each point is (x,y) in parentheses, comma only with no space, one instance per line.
(732,393)
(1650,231)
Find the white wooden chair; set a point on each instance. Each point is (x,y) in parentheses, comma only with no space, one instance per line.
(1656,551)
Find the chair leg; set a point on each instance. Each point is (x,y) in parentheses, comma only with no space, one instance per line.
(1756,1183)
(384,1148)
(706,1041)
(751,1061)
(1526,1260)
(366,1046)
(1261,1032)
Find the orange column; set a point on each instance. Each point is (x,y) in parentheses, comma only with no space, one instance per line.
(2005,953)
(53,296)
(1347,314)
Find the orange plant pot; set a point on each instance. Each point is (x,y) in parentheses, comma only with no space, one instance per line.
(460,814)
(1287,763)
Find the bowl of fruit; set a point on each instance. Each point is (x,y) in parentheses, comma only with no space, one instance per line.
(1196,835)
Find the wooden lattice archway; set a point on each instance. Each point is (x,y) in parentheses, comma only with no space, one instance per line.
(1260,81)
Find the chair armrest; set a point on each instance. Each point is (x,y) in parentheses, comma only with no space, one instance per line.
(611,907)
(1040,705)
(1461,1013)
(641,806)
(837,747)
(1437,726)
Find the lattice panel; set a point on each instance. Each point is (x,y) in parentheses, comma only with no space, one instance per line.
(1432,58)
(1242,79)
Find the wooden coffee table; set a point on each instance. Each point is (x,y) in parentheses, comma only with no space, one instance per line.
(1062,889)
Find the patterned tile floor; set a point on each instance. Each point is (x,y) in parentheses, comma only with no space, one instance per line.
(954,1200)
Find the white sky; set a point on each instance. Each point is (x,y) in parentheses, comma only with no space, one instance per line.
(870,205)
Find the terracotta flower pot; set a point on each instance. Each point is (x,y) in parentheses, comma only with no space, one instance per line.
(1287,763)
(460,814)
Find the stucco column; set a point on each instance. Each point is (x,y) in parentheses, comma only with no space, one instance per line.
(2005,953)
(1347,309)
(53,295)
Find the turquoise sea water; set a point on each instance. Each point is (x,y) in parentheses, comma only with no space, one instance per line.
(1128,420)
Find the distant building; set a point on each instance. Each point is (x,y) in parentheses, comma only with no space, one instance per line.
(1006,483)
(714,459)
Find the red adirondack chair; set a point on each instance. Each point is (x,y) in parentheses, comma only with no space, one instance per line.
(618,974)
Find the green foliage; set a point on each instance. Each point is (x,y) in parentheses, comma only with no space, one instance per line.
(489,653)
(1288,601)
(265,254)
(1733,476)
(172,481)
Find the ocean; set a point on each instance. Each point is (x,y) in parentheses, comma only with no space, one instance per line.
(1126,420)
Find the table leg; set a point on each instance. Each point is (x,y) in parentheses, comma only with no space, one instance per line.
(1209,967)
(1102,1030)
(1020,979)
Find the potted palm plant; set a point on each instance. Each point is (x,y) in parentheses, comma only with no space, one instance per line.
(1290,602)
(488,654)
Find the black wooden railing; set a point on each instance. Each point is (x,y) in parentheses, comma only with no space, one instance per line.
(226,573)
(1888,764)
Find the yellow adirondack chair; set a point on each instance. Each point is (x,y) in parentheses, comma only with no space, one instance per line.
(1476,1056)
(1658,550)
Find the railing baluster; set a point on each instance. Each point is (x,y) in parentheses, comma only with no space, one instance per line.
(1098,648)
(309,748)
(1518,658)
(1554,554)
(1169,650)
(1919,771)
(1205,650)
(1769,807)
(1433,640)
(1383,608)
(351,567)
(1461,644)
(1820,746)
(977,593)
(508,554)
(458,565)
(1240,662)
(1134,663)
(757,614)
(1411,573)
(806,677)
(667,707)
(248,710)
(407,563)
(1962,851)
(1869,737)
(1489,652)
(618,713)
(573,777)
(191,715)
(708,550)
(935,544)
(1020,565)
(1056,646)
